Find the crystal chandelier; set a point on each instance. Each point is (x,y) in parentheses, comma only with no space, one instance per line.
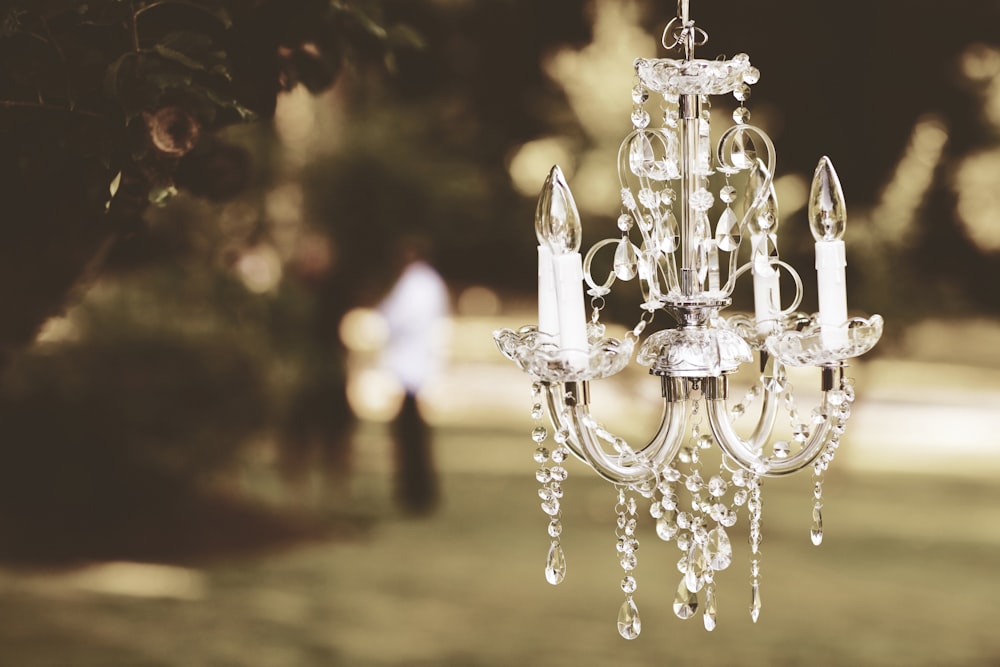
(671,178)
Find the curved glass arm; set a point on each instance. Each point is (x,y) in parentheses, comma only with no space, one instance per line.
(584,442)
(662,447)
(765,425)
(748,454)
(556,399)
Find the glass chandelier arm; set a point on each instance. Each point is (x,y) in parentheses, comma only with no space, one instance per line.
(765,425)
(662,447)
(588,276)
(805,456)
(750,457)
(556,399)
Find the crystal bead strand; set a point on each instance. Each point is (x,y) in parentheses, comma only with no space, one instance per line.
(692,534)
(800,429)
(629,624)
(754,505)
(664,508)
(640,117)
(718,548)
(741,115)
(551,479)
(739,409)
(838,404)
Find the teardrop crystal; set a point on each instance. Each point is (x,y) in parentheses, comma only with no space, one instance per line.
(711,609)
(755,602)
(697,565)
(727,232)
(718,549)
(629,624)
(701,262)
(685,602)
(767,214)
(764,217)
(816,531)
(669,233)
(640,154)
(713,265)
(743,153)
(626,259)
(555,564)
(765,248)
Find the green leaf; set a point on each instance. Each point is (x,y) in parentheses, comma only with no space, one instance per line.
(194,51)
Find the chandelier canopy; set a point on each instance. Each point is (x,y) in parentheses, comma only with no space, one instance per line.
(694,219)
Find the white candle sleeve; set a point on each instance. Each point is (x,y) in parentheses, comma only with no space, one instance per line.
(572,320)
(548,309)
(766,299)
(831,259)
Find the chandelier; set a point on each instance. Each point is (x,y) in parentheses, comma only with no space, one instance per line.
(695,217)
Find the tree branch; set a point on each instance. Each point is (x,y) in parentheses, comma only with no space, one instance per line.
(15,104)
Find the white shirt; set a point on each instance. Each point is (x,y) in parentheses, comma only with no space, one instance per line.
(415,312)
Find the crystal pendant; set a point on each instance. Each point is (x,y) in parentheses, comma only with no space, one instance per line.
(755,602)
(718,549)
(727,232)
(816,531)
(697,565)
(711,609)
(669,233)
(626,259)
(764,219)
(663,170)
(765,248)
(640,155)
(713,265)
(629,624)
(685,602)
(555,564)
(743,153)
(699,238)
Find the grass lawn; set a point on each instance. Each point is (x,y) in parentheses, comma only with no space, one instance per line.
(908,574)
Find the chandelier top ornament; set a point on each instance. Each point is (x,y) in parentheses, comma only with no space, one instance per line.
(674,183)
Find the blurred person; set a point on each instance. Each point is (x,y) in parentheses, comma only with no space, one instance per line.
(415,311)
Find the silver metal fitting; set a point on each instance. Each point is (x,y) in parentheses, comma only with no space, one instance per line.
(674,388)
(715,387)
(833,376)
(577,393)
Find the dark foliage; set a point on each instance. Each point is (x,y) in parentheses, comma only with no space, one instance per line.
(109,105)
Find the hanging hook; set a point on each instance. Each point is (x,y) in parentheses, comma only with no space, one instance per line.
(681,31)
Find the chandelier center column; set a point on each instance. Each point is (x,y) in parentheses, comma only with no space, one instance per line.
(690,122)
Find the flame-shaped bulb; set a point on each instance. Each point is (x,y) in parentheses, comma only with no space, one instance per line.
(557,221)
(827,208)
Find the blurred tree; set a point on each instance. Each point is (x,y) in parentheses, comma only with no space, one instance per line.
(109,105)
